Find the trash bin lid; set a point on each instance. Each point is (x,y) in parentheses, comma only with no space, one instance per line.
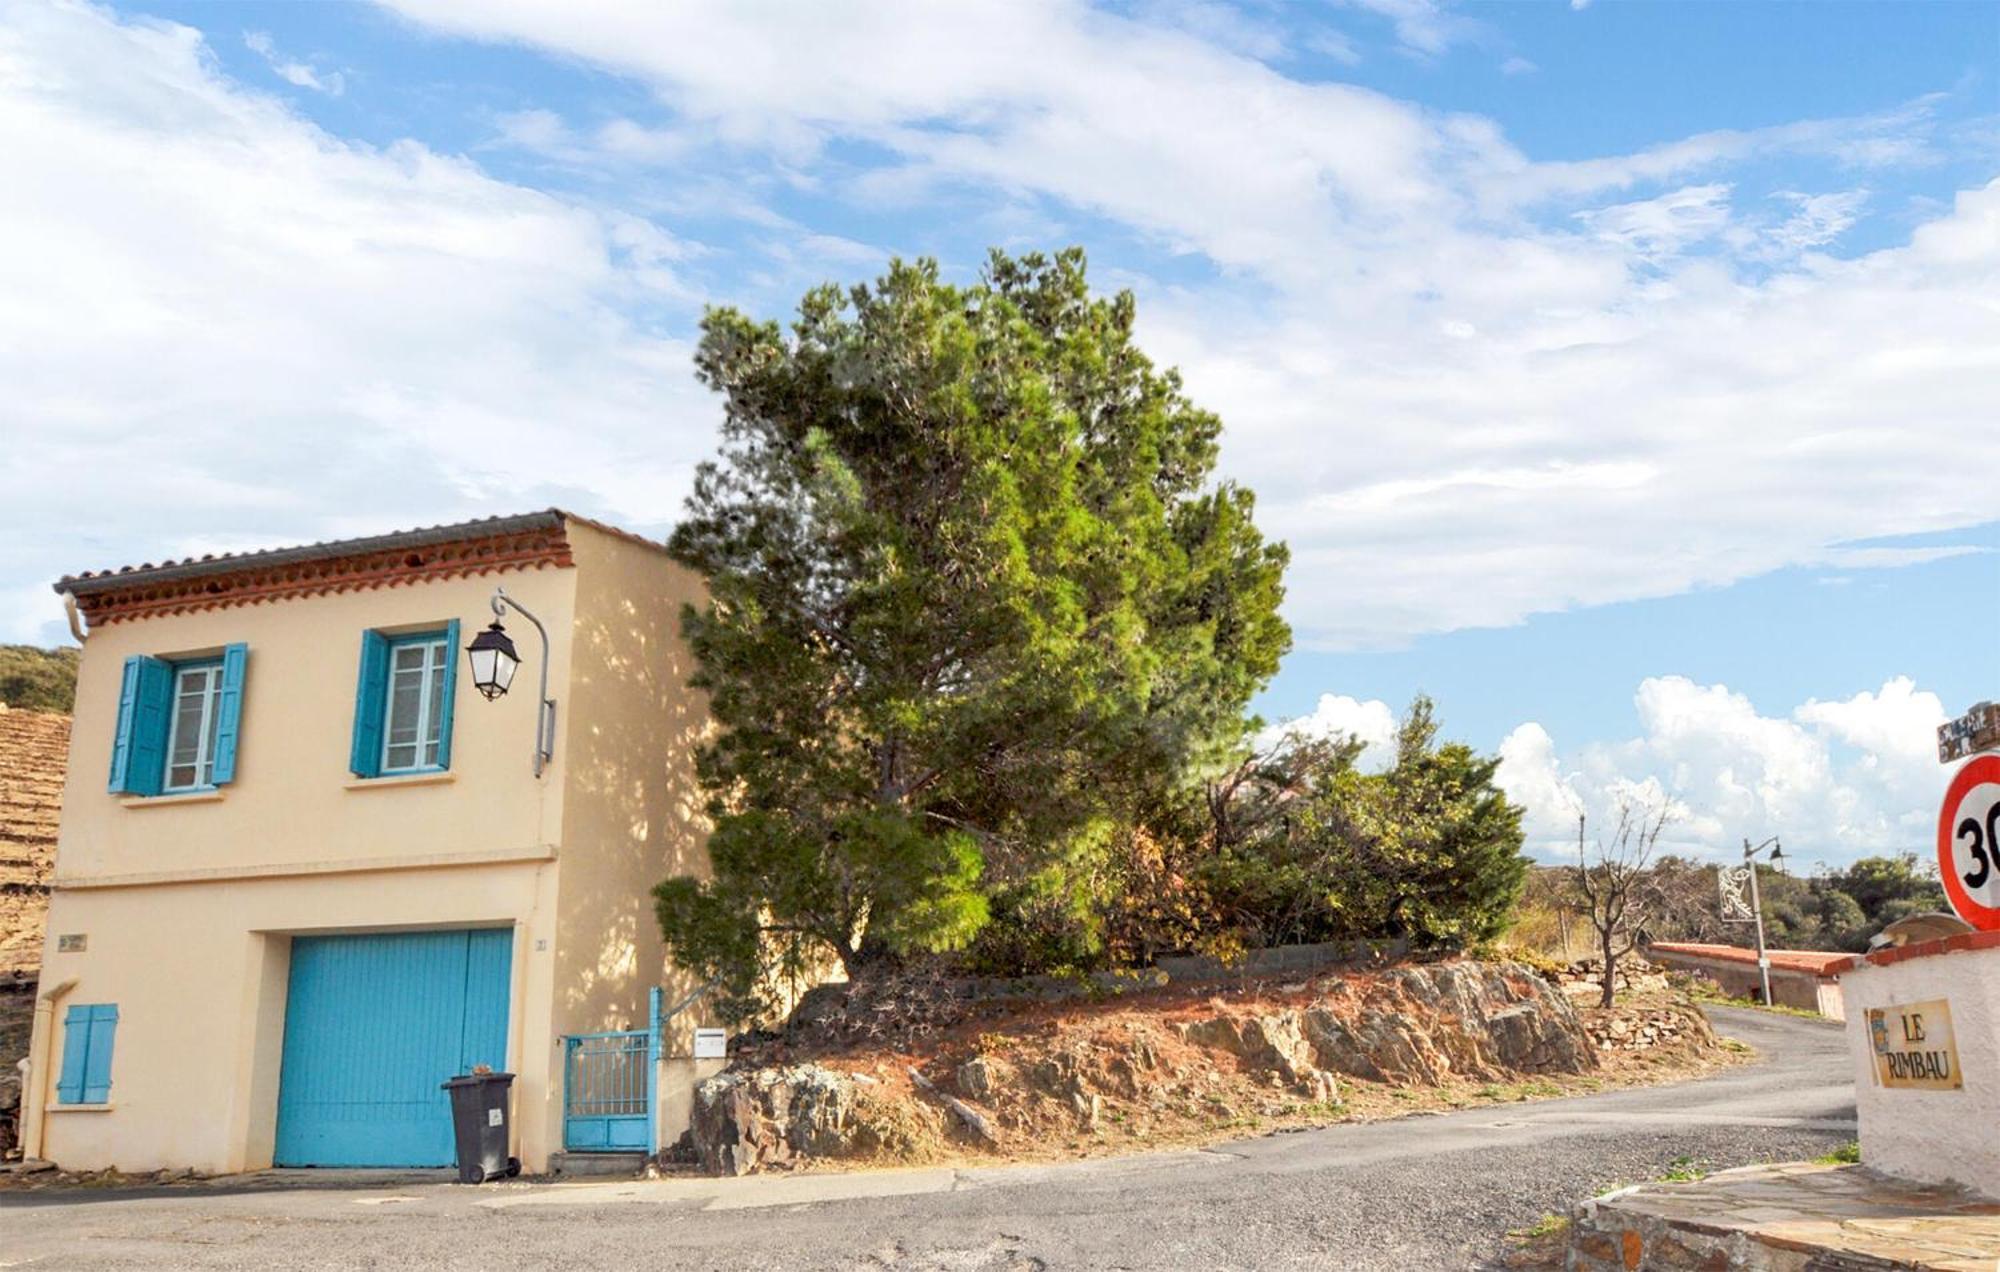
(474,1079)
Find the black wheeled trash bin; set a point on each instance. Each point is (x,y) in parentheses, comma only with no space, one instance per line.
(479,1125)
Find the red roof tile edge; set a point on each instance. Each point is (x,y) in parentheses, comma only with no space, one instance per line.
(467,548)
(1964,942)
(1818,962)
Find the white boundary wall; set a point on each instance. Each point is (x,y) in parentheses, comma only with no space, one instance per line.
(1932,1136)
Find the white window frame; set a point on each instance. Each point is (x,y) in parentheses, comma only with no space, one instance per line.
(204,760)
(433,669)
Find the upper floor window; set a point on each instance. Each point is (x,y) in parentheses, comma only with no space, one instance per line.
(415,713)
(191,733)
(178,723)
(403,704)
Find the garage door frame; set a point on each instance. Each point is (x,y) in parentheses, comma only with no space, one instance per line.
(374,1021)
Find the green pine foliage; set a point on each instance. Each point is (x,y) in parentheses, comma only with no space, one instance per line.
(1298,844)
(35,679)
(975,596)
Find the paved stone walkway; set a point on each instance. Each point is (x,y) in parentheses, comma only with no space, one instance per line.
(1785,1217)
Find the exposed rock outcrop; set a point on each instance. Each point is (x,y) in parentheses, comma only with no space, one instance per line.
(769,1116)
(1272,1044)
(1172,1064)
(1420,1025)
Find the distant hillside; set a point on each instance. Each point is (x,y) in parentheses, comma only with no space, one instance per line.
(38,679)
(34,751)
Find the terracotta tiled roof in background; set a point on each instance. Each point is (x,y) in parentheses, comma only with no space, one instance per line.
(34,752)
(1818,962)
(338,565)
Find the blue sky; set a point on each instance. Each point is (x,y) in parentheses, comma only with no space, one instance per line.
(1620,373)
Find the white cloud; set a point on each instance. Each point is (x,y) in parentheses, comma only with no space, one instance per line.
(298,74)
(1371,723)
(220,326)
(1817,219)
(1657,228)
(1425,27)
(1335,45)
(1402,293)
(1460,401)
(1837,780)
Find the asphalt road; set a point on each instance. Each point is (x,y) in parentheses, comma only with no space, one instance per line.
(1419,1193)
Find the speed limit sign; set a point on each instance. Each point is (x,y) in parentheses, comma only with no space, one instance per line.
(1969,843)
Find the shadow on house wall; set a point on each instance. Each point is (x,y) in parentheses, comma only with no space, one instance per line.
(633,812)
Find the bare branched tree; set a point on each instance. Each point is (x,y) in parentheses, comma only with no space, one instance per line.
(1612,880)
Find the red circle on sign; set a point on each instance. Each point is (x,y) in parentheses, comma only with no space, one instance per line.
(1981,769)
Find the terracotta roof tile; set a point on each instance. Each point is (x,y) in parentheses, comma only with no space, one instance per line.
(1964,942)
(1818,962)
(214,581)
(221,562)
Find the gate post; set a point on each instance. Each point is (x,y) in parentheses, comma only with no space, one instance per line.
(654,999)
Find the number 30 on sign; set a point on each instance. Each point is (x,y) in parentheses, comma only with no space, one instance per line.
(1969,843)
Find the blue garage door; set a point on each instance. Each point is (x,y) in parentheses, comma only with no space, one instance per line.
(372,1025)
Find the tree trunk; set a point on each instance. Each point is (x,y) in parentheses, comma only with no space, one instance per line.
(1610,972)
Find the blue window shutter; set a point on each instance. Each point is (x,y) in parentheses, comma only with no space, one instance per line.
(76,1054)
(450,695)
(128,703)
(139,752)
(149,727)
(229,714)
(97,1065)
(371,696)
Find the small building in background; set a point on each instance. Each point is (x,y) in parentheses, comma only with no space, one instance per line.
(1806,979)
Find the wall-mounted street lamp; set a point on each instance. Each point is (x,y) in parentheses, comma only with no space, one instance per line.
(494,663)
(1757,904)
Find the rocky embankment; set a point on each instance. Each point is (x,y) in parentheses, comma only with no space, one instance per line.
(1165,1070)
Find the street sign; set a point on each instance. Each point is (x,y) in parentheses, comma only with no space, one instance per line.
(1969,843)
(1914,1046)
(711,1044)
(1977,730)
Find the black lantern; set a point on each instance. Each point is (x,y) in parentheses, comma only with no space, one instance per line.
(494,663)
(493,660)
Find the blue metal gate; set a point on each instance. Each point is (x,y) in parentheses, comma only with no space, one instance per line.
(609,1085)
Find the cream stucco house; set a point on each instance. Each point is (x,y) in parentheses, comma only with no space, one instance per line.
(305,872)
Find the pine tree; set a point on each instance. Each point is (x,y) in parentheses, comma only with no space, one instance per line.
(973,593)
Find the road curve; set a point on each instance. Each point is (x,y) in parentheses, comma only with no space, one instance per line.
(1417,1193)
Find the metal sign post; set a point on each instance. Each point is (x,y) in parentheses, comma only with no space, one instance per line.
(1732,882)
(1757,909)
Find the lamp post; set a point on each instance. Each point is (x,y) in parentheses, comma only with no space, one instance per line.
(494,663)
(1757,905)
